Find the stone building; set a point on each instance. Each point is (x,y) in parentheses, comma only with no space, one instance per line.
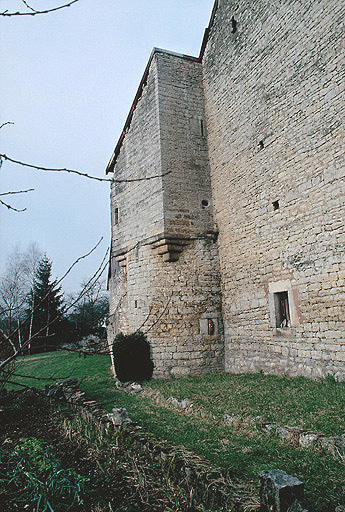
(228,248)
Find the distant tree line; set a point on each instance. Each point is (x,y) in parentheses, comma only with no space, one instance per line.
(32,304)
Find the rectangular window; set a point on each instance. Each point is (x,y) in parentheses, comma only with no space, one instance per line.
(116,216)
(282,310)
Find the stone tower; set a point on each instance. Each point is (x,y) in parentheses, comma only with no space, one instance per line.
(232,255)
(164,266)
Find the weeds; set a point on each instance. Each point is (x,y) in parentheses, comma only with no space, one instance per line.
(33,469)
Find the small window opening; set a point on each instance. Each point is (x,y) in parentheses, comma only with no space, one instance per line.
(116,215)
(233,25)
(275,205)
(282,310)
(135,303)
(202,127)
(261,144)
(205,203)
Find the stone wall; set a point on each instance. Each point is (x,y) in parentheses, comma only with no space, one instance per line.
(275,101)
(173,302)
(140,157)
(164,276)
(184,154)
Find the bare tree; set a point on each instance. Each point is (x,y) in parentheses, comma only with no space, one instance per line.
(9,338)
(13,292)
(30,262)
(89,314)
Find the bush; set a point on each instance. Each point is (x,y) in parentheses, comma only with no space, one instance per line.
(132,357)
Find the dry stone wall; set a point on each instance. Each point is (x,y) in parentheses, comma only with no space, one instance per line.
(274,94)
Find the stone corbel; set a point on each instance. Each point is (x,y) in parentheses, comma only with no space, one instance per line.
(169,248)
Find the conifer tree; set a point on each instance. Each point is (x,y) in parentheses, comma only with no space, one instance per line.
(46,301)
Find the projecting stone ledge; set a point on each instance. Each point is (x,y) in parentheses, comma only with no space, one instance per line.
(280,492)
(169,248)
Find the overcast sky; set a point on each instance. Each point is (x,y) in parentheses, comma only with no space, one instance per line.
(67,83)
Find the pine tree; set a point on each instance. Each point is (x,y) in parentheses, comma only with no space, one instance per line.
(46,301)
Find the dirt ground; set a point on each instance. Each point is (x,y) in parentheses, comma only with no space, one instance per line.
(127,484)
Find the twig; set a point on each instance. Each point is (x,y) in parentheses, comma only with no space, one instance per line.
(34,13)
(79,259)
(85,175)
(36,378)
(160,316)
(146,319)
(14,308)
(17,192)
(9,207)
(4,124)
(29,6)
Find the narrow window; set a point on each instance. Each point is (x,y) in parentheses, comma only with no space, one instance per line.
(116,216)
(233,25)
(202,131)
(275,205)
(135,303)
(282,310)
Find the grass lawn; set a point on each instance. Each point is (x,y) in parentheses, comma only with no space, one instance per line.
(243,451)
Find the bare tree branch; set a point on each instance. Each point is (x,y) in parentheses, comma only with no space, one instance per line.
(29,6)
(79,259)
(11,207)
(85,175)
(8,339)
(3,311)
(34,12)
(146,319)
(36,391)
(36,378)
(17,192)
(160,316)
(4,124)
(59,281)
(18,351)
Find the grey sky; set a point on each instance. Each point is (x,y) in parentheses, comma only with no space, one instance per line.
(67,82)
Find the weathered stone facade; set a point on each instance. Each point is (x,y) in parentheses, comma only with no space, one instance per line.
(244,225)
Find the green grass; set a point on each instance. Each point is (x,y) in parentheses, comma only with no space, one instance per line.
(311,404)
(318,405)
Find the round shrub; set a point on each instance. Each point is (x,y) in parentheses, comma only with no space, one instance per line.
(132,357)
